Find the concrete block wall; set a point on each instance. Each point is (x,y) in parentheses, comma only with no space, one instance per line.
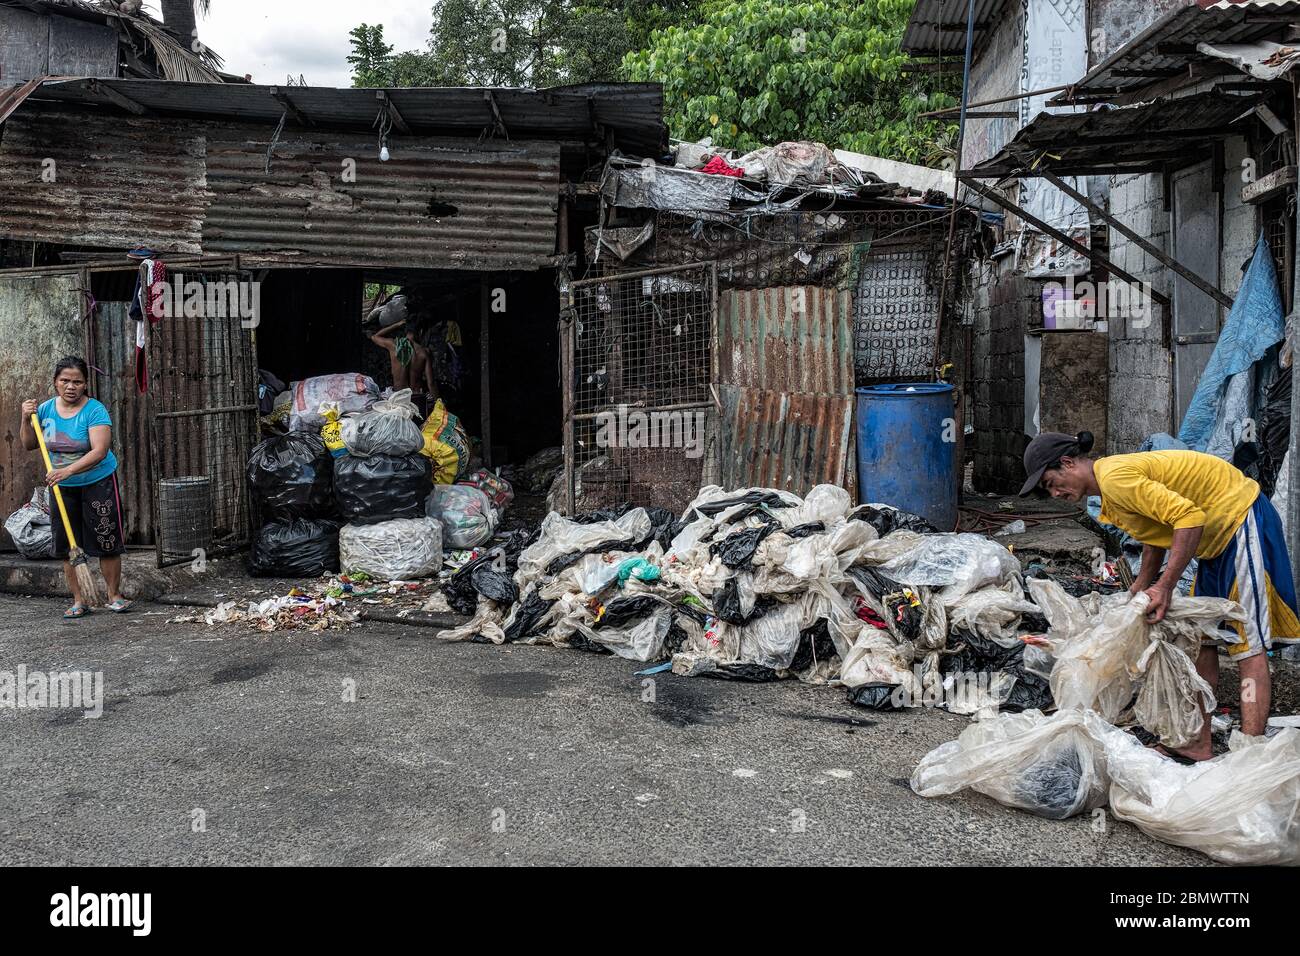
(1141,369)
(1241,221)
(1005,305)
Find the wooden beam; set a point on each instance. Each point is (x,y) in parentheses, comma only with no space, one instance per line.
(120,99)
(994,114)
(290,107)
(396,117)
(1214,292)
(485,369)
(1266,187)
(1095,257)
(1000,99)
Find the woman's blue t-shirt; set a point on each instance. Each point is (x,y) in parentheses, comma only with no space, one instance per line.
(68,439)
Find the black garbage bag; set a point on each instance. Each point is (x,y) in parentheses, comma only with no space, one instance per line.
(1261,458)
(748,673)
(494,584)
(804,530)
(737,549)
(815,645)
(876,697)
(674,639)
(885,520)
(297,548)
(291,476)
(664,526)
(624,610)
(526,616)
(381,487)
(726,604)
(757,500)
(978,654)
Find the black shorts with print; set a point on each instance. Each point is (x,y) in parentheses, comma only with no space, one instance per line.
(95,512)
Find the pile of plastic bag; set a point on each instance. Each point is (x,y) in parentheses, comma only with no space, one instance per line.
(1110,667)
(760,584)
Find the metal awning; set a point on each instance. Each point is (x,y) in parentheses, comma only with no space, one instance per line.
(631,113)
(1167,49)
(1148,138)
(938,27)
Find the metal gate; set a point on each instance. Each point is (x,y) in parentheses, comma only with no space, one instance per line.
(203,385)
(638,373)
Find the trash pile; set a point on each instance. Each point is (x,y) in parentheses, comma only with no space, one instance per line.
(333,602)
(1109,667)
(759,585)
(359,485)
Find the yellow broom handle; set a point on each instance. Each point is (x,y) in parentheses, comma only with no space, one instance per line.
(49,466)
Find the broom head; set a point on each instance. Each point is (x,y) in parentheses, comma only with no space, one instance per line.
(86,582)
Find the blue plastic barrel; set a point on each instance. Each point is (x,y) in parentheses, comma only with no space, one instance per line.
(907,449)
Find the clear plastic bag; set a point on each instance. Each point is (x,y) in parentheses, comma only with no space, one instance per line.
(352,391)
(1054,766)
(31,529)
(956,563)
(1238,808)
(468,518)
(381,433)
(401,549)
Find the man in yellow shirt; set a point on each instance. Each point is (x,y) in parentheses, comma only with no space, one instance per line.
(1189,505)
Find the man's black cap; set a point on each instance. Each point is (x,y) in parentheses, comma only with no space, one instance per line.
(1044,452)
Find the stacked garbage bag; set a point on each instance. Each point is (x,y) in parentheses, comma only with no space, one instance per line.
(380,487)
(760,584)
(290,478)
(1110,667)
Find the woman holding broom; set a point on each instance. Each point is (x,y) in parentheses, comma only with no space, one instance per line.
(78,435)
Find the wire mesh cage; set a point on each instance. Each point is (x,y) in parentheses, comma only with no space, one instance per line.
(640,347)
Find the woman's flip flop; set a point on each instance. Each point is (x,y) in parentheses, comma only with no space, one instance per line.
(120,605)
(75,611)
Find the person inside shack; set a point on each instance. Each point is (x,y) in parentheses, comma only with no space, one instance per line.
(78,434)
(1185,505)
(390,326)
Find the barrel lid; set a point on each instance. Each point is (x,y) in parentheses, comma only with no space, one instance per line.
(904,389)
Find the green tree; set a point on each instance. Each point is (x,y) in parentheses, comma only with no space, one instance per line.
(371,58)
(756,72)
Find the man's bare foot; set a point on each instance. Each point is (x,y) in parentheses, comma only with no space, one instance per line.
(1182,756)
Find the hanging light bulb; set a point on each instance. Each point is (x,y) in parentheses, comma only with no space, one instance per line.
(383,153)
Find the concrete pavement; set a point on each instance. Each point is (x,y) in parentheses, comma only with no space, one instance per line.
(220,745)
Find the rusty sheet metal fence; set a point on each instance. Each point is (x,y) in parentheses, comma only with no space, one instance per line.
(40,321)
(785,380)
(638,360)
(112,343)
(203,385)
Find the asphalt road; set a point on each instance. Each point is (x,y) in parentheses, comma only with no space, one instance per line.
(220,745)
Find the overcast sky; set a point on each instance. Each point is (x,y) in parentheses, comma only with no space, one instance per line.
(274,38)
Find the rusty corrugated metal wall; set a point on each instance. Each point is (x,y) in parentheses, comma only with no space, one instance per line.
(785,382)
(40,321)
(184,186)
(114,378)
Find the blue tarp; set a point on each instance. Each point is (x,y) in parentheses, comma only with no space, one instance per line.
(1254,325)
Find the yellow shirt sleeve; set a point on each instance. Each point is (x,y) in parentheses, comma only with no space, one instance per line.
(1138,494)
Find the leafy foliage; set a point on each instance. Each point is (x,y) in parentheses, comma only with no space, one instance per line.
(755,72)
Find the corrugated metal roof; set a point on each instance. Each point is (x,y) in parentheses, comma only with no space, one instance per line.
(785,373)
(632,112)
(938,27)
(204,188)
(1171,131)
(1168,46)
(11,97)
